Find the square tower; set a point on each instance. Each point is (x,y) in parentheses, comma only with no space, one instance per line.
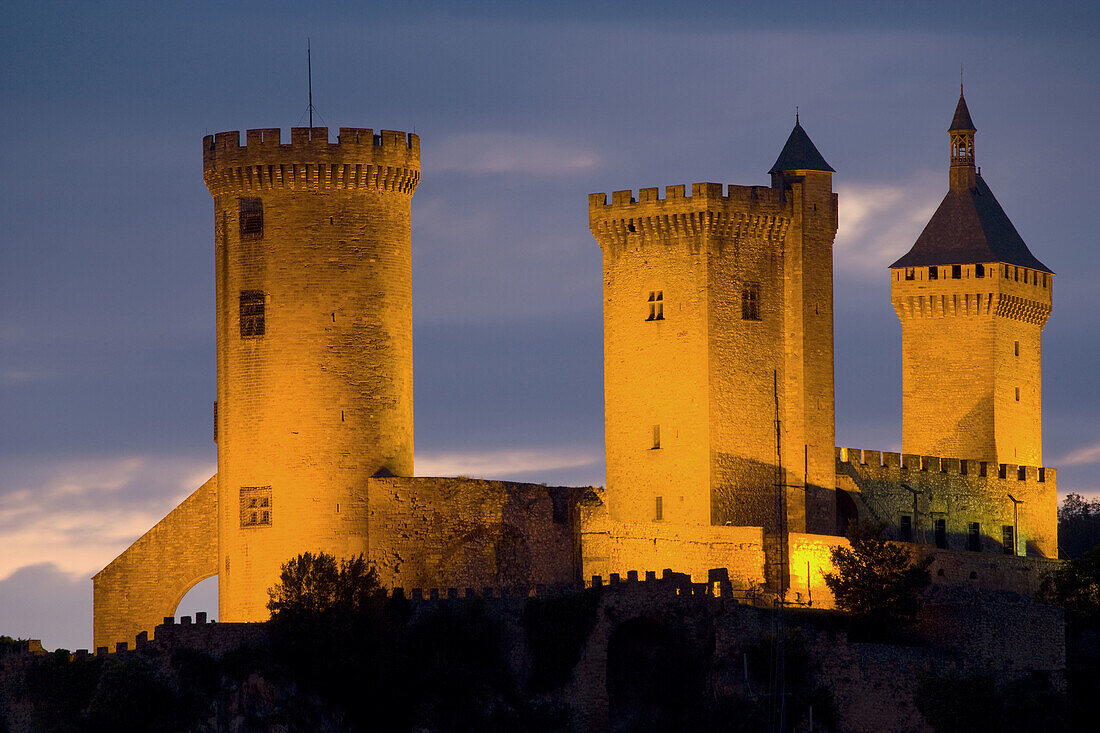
(972,301)
(717,325)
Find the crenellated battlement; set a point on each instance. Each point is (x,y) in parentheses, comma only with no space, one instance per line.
(740,211)
(388,160)
(881,465)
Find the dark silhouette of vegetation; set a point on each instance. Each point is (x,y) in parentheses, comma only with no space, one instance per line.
(1076,587)
(877,581)
(965,703)
(1078,526)
(320,584)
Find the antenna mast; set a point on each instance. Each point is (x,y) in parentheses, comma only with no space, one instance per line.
(309,79)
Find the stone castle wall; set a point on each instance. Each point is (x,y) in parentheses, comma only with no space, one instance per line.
(470,533)
(959,492)
(873,684)
(147,581)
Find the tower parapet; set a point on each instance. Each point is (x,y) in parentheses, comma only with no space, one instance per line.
(742,211)
(389,160)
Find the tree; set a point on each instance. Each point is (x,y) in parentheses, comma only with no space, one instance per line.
(314,585)
(1078,526)
(1076,586)
(877,581)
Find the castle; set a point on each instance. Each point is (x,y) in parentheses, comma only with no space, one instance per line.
(718,368)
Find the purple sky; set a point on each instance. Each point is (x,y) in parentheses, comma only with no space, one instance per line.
(106,269)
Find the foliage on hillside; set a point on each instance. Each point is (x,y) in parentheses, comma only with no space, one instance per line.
(1078,526)
(877,581)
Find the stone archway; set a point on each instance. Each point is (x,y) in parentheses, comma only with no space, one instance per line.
(149,579)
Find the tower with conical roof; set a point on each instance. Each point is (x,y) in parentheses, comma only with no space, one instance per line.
(972,301)
(718,309)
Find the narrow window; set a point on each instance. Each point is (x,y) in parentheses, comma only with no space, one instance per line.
(905,528)
(933,273)
(1008,539)
(255,505)
(659,510)
(656,437)
(1016,274)
(251,214)
(1016,346)
(1021,473)
(979,270)
(252,314)
(750,302)
(956,272)
(1017,394)
(962,467)
(941,533)
(1044,279)
(974,537)
(982,468)
(910,273)
(656,305)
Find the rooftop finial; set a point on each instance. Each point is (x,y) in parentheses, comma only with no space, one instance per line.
(960,80)
(796,114)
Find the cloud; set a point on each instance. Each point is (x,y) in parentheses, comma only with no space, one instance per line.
(43,602)
(1084,455)
(879,222)
(502,464)
(501,153)
(77,514)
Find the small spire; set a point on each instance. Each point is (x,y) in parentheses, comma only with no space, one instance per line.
(796,114)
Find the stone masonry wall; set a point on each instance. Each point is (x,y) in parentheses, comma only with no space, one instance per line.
(147,581)
(957,492)
(459,532)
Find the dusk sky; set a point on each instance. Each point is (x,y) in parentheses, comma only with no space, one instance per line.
(107,352)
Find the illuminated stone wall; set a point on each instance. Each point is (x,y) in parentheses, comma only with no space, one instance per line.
(322,400)
(968,344)
(958,493)
(147,581)
(610,546)
(469,533)
(700,374)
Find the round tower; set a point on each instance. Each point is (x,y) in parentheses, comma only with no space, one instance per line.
(315,376)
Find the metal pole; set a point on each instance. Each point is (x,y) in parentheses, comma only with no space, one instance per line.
(309,78)
(1015,524)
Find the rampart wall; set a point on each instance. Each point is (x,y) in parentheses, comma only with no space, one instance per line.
(960,631)
(958,492)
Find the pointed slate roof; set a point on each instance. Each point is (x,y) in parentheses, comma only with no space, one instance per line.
(961,120)
(968,227)
(799,154)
